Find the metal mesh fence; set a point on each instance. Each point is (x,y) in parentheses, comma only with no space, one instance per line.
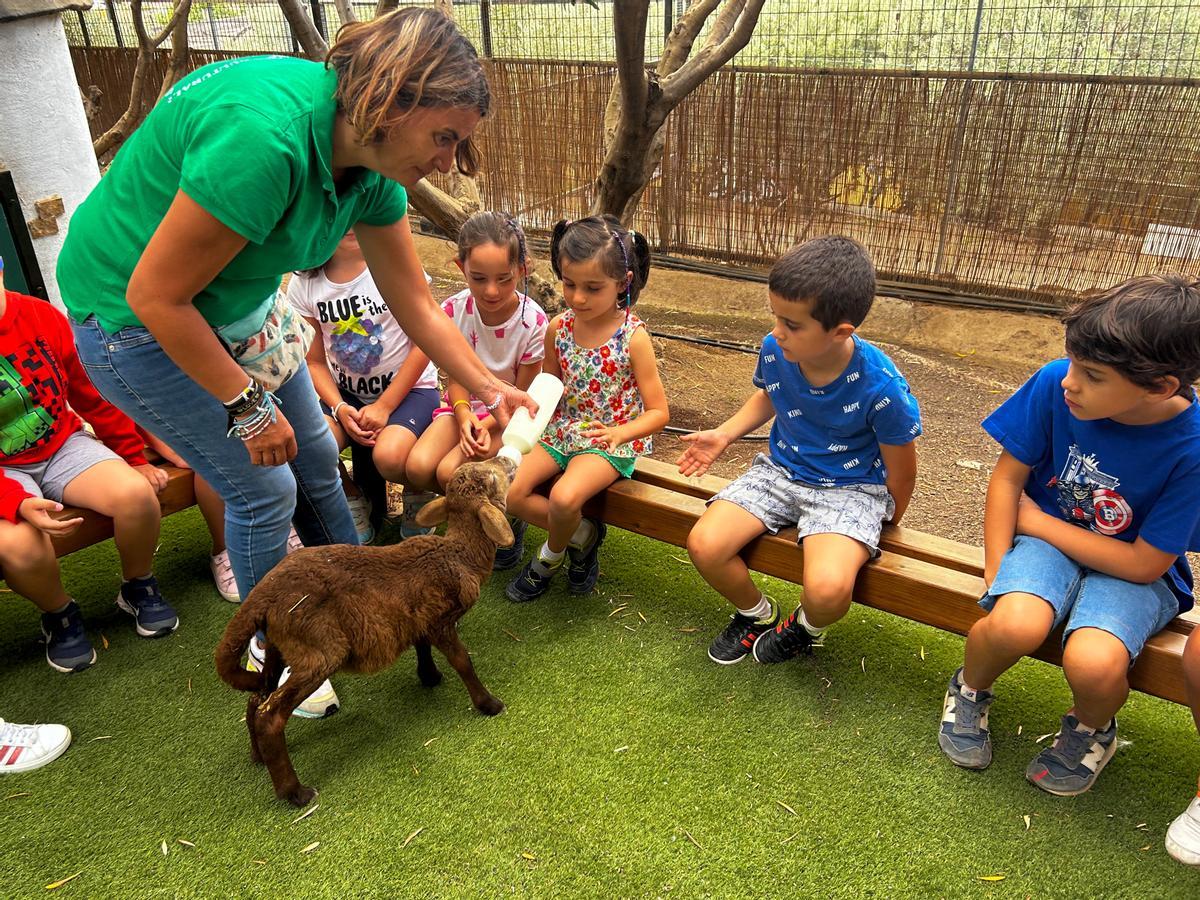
(1029,185)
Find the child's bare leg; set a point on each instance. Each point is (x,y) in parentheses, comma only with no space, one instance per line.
(391,451)
(831,564)
(1191,673)
(349,488)
(212,508)
(1097,667)
(439,439)
(113,489)
(28,564)
(1014,628)
(586,476)
(714,544)
(536,468)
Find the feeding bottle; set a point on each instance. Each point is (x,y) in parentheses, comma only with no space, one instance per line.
(524,430)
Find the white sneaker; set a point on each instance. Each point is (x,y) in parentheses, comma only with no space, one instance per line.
(27,747)
(222,573)
(293,542)
(1183,835)
(320,703)
(360,511)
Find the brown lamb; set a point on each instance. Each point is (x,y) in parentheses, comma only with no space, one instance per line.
(335,608)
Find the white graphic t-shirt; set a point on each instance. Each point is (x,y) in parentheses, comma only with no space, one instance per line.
(502,348)
(363,341)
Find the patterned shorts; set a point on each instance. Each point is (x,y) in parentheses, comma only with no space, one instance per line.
(771,496)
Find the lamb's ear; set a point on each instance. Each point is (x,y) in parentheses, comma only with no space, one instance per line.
(495,525)
(432,513)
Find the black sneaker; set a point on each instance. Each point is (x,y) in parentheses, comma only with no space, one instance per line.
(153,616)
(67,646)
(507,557)
(584,569)
(785,641)
(735,641)
(533,581)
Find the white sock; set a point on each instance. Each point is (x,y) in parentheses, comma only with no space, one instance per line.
(550,557)
(808,626)
(761,611)
(583,535)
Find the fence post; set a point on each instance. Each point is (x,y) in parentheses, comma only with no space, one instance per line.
(112,15)
(960,130)
(87,37)
(318,12)
(212,26)
(668,18)
(485,26)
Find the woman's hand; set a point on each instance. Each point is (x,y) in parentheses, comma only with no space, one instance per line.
(511,399)
(702,451)
(373,417)
(348,417)
(474,437)
(274,445)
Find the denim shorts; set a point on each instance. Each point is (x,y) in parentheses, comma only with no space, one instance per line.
(1084,598)
(415,411)
(769,494)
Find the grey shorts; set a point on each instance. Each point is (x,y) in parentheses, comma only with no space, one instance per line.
(771,496)
(47,479)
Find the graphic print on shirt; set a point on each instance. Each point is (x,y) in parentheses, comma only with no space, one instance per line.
(357,343)
(1088,496)
(24,421)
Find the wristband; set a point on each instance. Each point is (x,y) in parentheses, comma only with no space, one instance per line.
(336,408)
(250,397)
(466,403)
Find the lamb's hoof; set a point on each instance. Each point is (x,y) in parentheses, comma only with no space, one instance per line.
(492,706)
(430,678)
(302,796)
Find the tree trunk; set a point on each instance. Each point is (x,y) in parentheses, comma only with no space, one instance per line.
(345,11)
(305,30)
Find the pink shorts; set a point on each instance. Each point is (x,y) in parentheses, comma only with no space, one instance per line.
(476,407)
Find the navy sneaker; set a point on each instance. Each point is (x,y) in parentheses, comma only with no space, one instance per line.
(963,734)
(584,569)
(67,647)
(533,581)
(1073,763)
(785,641)
(153,616)
(507,557)
(735,641)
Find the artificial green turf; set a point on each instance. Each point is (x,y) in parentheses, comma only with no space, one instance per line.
(626,764)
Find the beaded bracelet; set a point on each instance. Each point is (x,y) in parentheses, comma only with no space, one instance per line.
(495,404)
(262,417)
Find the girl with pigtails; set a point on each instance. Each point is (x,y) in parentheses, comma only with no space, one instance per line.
(612,403)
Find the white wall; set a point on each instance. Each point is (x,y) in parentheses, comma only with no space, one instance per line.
(44,137)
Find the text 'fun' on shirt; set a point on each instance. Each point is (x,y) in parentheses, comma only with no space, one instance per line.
(364,344)
(1122,481)
(830,435)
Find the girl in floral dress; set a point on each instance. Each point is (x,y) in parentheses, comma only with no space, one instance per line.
(613,400)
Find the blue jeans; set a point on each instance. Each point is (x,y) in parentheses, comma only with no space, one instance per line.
(133,373)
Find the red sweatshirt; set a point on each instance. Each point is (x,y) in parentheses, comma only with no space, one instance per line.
(40,374)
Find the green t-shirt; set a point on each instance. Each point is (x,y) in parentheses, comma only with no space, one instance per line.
(251,141)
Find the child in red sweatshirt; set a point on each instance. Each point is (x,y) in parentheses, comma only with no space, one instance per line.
(47,459)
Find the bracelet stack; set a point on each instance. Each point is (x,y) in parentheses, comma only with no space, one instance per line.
(252,421)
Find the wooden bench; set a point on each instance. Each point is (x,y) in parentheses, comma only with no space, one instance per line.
(917,576)
(177,495)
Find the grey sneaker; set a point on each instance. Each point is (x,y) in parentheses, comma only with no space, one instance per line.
(1071,765)
(963,735)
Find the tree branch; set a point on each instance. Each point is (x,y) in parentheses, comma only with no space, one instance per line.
(678,46)
(345,11)
(724,22)
(177,62)
(677,86)
(180,13)
(307,36)
(629,32)
(383,7)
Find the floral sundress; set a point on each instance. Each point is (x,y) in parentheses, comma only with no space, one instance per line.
(598,386)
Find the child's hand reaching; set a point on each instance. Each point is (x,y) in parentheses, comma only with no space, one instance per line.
(607,437)
(474,437)
(702,451)
(36,511)
(153,474)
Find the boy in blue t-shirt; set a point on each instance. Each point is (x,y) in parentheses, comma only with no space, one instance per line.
(1090,510)
(841,458)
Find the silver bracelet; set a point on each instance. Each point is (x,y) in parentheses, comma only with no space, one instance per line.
(495,404)
(336,408)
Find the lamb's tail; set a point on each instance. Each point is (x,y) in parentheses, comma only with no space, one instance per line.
(245,622)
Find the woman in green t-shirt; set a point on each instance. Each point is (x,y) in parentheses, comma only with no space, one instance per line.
(247,169)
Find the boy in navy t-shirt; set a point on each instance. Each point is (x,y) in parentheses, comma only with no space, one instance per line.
(1091,508)
(840,462)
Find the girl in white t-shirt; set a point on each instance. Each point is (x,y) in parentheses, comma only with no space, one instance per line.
(376,388)
(506,328)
